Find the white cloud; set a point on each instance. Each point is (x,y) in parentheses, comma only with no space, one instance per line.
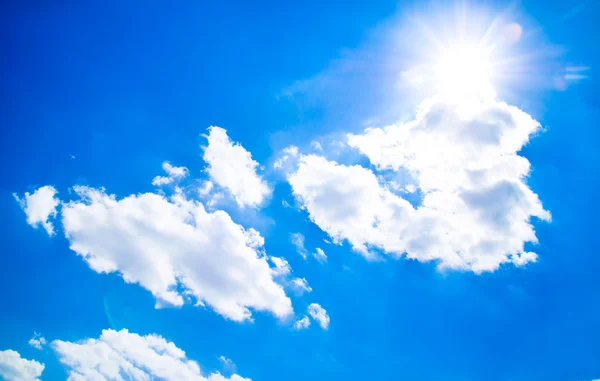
(39,207)
(205,189)
(302,323)
(119,355)
(175,248)
(297,240)
(174,174)
(228,364)
(37,341)
(232,167)
(282,267)
(316,145)
(476,207)
(319,255)
(15,368)
(282,272)
(300,285)
(319,314)
(286,158)
(161,180)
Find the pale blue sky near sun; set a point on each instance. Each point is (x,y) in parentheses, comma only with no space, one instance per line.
(102,94)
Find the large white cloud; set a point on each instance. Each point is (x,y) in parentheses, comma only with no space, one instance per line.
(476,207)
(39,207)
(15,368)
(121,355)
(175,248)
(232,167)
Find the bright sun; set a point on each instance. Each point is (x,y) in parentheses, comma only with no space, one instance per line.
(466,58)
(463,71)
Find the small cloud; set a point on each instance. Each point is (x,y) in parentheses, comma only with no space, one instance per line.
(37,341)
(300,285)
(228,364)
(298,241)
(72,157)
(174,173)
(39,207)
(282,267)
(524,258)
(231,167)
(316,145)
(161,180)
(319,314)
(302,323)
(319,255)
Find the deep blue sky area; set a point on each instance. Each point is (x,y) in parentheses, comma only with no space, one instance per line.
(123,86)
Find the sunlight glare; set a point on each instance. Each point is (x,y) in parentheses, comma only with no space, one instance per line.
(463,72)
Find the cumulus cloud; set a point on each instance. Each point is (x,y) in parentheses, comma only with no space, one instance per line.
(15,368)
(175,249)
(476,207)
(319,255)
(300,286)
(297,240)
(118,355)
(39,207)
(37,341)
(282,267)
(302,323)
(173,174)
(319,314)
(232,167)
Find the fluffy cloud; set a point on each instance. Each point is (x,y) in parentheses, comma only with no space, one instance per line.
(476,207)
(175,249)
(232,167)
(39,207)
(302,323)
(118,355)
(297,240)
(319,314)
(37,341)
(174,173)
(15,368)
(300,285)
(319,255)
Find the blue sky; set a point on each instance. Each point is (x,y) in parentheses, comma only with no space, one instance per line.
(428,225)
